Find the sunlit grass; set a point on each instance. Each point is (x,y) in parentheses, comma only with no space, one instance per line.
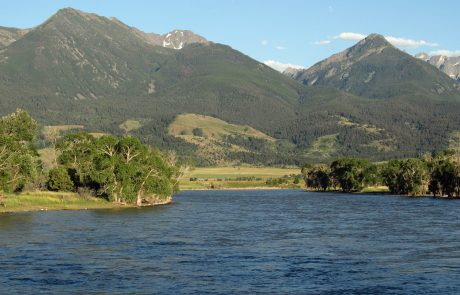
(242,171)
(226,177)
(33,201)
(375,189)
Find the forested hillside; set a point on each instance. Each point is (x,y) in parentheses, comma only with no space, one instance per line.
(82,69)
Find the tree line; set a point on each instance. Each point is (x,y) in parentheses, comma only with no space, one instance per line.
(120,169)
(437,174)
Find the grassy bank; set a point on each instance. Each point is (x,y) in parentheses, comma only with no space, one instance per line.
(36,201)
(244,177)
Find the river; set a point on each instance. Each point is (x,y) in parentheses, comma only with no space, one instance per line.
(238,242)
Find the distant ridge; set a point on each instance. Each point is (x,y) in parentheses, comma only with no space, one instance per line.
(375,68)
(447,64)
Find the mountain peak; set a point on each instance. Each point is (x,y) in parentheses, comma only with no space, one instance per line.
(177,39)
(69,11)
(71,16)
(375,36)
(374,41)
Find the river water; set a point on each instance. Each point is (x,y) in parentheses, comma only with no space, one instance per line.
(238,242)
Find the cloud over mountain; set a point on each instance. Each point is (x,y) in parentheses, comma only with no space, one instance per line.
(396,41)
(279,66)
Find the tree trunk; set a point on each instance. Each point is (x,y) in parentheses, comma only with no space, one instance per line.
(139,199)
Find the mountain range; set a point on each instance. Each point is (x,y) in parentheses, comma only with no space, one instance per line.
(447,64)
(370,100)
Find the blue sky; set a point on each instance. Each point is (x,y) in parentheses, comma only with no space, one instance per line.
(291,31)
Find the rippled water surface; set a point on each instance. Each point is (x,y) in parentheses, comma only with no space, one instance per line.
(238,242)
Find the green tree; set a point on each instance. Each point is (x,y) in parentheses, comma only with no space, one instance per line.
(197,132)
(18,155)
(128,171)
(59,180)
(317,177)
(445,174)
(350,173)
(76,153)
(406,176)
(105,164)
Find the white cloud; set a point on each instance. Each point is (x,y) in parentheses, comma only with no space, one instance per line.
(279,47)
(279,66)
(322,42)
(404,42)
(264,42)
(449,53)
(396,41)
(350,36)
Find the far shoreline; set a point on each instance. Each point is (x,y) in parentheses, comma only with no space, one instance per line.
(249,188)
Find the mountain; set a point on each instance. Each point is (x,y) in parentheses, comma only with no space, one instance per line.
(176,39)
(291,72)
(81,70)
(376,69)
(446,64)
(9,35)
(397,105)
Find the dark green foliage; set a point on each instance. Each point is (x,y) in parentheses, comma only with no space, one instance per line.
(197,132)
(350,173)
(76,153)
(406,176)
(59,180)
(317,177)
(120,169)
(276,181)
(445,175)
(438,174)
(18,156)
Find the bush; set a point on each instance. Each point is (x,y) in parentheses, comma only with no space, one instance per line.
(197,132)
(85,192)
(59,180)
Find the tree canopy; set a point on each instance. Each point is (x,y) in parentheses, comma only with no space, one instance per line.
(18,155)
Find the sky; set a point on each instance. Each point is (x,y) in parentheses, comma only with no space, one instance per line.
(280,33)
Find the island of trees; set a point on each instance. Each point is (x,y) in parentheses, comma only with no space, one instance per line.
(437,174)
(121,170)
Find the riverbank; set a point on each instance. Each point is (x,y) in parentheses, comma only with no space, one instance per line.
(51,201)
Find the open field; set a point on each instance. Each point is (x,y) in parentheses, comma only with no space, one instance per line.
(211,127)
(243,171)
(237,177)
(36,201)
(130,125)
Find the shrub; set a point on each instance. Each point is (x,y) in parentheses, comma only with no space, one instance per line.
(59,180)
(197,132)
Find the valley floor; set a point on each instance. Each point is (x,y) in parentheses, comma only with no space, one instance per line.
(241,177)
